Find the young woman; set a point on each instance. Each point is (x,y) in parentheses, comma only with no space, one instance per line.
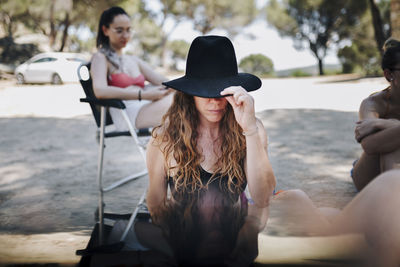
(121,76)
(209,147)
(378,130)
(210,133)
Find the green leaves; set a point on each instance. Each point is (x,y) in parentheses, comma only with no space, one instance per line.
(257,64)
(315,24)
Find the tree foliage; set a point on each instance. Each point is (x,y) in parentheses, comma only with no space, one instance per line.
(12,13)
(65,21)
(257,64)
(380,13)
(363,55)
(174,11)
(206,15)
(229,15)
(53,18)
(179,50)
(395,18)
(315,23)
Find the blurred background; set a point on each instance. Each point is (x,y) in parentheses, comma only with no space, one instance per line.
(273,38)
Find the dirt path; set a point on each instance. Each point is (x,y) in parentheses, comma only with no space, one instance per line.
(48,158)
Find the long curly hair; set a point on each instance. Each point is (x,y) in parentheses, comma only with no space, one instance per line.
(177,137)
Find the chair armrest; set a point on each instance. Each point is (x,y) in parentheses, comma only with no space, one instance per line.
(115,103)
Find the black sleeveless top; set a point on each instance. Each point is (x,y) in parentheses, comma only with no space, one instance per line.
(217,184)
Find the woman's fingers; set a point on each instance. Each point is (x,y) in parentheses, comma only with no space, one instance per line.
(231,90)
(231,101)
(239,94)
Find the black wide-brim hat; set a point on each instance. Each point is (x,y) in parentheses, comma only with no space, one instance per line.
(210,68)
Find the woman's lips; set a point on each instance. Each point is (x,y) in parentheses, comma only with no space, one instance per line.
(215,110)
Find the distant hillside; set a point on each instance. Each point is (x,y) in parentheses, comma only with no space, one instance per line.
(311,70)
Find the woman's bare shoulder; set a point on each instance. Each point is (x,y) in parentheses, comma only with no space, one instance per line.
(376,101)
(158,134)
(98,56)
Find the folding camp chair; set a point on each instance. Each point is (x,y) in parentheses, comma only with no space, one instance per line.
(102,117)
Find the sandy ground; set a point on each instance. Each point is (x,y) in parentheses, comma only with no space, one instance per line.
(48,159)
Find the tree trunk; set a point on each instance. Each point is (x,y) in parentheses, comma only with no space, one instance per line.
(10,30)
(378,26)
(314,49)
(53,32)
(395,18)
(320,66)
(163,45)
(8,26)
(66,23)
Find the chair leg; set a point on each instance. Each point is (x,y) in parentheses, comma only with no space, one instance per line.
(125,180)
(100,174)
(133,217)
(133,133)
(142,153)
(121,181)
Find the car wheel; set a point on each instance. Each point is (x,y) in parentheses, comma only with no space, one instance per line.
(20,78)
(56,79)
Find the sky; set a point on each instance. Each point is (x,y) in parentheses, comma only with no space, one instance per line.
(267,42)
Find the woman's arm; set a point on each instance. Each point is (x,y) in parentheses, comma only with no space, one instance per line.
(152,76)
(157,191)
(100,85)
(368,109)
(369,116)
(377,136)
(260,177)
(384,141)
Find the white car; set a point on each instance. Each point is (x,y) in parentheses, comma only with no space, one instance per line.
(54,67)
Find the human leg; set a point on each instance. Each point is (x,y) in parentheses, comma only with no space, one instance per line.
(296,215)
(132,108)
(365,170)
(374,213)
(304,232)
(390,161)
(150,115)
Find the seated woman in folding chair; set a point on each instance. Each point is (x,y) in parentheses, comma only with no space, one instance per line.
(119,76)
(379,126)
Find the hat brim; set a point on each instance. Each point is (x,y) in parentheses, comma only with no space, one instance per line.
(212,88)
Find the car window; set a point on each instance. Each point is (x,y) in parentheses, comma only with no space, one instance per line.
(40,60)
(45,59)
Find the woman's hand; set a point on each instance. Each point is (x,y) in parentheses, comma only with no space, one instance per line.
(154,92)
(370,126)
(243,106)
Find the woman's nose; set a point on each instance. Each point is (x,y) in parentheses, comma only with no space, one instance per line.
(218,100)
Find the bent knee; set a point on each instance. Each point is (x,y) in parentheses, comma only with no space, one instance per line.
(388,181)
(392,176)
(293,194)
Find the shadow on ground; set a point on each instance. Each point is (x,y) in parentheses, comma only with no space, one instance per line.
(48,166)
(48,174)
